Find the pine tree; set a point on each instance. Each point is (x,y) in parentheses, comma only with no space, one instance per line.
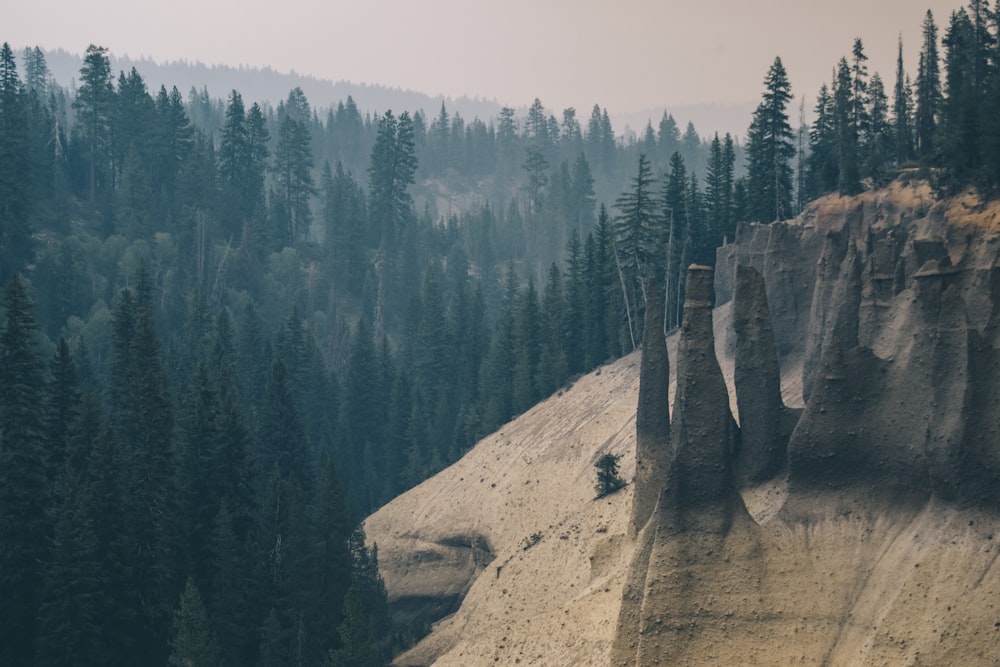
(719,190)
(902,111)
(24,527)
(333,530)
(528,348)
(859,96)
(232,605)
(62,410)
(16,244)
(293,163)
(37,76)
(879,130)
(153,508)
(845,130)
(928,90)
(822,163)
(391,172)
(770,149)
(356,643)
(193,643)
(960,126)
(361,410)
(102,505)
(70,617)
(637,230)
(673,196)
(94,102)
(536,168)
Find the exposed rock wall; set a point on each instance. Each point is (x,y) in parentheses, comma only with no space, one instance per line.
(879,487)
(852,519)
(765,422)
(699,513)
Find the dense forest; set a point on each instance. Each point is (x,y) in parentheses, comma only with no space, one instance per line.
(230,331)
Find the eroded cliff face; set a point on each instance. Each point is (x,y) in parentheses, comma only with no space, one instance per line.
(860,529)
(825,491)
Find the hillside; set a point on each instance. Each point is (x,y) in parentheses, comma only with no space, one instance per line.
(468,532)
(852,518)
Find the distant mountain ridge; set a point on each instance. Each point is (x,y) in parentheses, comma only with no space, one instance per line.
(268,85)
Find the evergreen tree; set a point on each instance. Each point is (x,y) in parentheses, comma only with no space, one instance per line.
(822,163)
(391,172)
(902,111)
(145,421)
(37,76)
(16,243)
(24,527)
(293,162)
(845,130)
(232,605)
(234,163)
(928,90)
(333,530)
(637,228)
(62,411)
(770,150)
(70,617)
(608,478)
(719,190)
(193,644)
(960,108)
(675,214)
(536,169)
(361,412)
(859,97)
(103,505)
(528,347)
(356,642)
(877,142)
(94,103)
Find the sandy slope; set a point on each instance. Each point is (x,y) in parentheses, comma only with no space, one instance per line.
(887,586)
(554,601)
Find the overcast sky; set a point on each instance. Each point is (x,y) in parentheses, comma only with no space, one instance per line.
(627,55)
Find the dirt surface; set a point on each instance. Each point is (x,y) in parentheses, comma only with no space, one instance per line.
(557,557)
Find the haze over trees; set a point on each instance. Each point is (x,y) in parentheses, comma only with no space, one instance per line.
(230,331)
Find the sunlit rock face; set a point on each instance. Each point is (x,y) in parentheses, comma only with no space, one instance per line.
(859,528)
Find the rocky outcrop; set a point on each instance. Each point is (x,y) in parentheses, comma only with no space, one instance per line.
(652,415)
(886,475)
(699,482)
(852,519)
(765,422)
(699,514)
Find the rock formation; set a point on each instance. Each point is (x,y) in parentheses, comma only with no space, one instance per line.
(853,517)
(699,512)
(886,470)
(765,422)
(652,415)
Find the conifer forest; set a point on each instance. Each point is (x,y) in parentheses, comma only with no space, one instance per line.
(229,330)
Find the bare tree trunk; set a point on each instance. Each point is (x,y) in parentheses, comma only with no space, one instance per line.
(621,277)
(668,287)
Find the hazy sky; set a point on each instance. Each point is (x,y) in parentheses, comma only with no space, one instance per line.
(627,55)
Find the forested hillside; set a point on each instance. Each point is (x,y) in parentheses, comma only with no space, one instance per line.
(230,331)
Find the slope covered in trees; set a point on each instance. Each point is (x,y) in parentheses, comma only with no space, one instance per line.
(261,328)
